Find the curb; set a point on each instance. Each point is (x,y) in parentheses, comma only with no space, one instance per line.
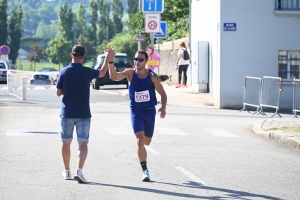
(279,136)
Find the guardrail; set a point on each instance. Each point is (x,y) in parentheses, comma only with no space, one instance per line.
(252,89)
(296,97)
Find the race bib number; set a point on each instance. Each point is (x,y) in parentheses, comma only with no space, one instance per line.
(142,96)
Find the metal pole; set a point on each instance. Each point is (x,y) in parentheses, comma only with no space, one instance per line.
(24,87)
(152,39)
(139,45)
(159,55)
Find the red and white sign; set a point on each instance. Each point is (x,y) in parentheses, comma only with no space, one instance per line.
(152,22)
(139,38)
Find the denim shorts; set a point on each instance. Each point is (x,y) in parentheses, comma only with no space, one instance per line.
(82,128)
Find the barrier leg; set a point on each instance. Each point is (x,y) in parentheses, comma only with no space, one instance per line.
(244,109)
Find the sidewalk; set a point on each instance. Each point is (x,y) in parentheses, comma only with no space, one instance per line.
(284,130)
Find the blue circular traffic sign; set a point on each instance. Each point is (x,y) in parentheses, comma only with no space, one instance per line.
(4,50)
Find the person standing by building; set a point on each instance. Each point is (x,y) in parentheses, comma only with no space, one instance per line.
(183,63)
(74,84)
(154,60)
(142,85)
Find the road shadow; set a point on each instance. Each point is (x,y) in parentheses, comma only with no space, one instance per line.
(230,194)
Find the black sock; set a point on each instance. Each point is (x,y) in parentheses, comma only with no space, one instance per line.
(144,165)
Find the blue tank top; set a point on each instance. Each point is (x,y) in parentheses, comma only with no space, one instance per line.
(142,92)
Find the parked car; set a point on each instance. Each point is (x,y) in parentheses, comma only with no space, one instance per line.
(48,70)
(3,71)
(121,63)
(41,79)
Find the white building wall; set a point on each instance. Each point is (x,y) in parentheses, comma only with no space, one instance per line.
(251,50)
(204,20)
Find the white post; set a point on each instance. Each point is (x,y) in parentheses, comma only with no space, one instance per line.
(159,56)
(24,87)
(9,81)
(139,45)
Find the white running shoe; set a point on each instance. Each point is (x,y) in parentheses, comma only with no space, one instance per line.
(79,177)
(66,174)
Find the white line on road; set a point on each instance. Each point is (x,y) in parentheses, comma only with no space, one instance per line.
(190,175)
(152,150)
(171,131)
(219,132)
(117,131)
(7,99)
(109,92)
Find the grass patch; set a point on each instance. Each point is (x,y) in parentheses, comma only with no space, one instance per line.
(286,129)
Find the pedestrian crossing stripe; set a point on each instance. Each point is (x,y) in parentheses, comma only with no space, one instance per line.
(219,132)
(171,131)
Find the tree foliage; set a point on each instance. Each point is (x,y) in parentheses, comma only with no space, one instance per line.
(93,21)
(15,33)
(59,51)
(37,54)
(81,21)
(132,6)
(66,22)
(124,44)
(3,22)
(90,50)
(117,16)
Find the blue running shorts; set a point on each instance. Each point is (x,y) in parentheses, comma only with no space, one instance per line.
(143,120)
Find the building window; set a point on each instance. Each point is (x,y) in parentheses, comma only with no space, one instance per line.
(288,64)
(287,5)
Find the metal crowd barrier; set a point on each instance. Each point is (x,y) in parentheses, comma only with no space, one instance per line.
(251,97)
(296,97)
(270,94)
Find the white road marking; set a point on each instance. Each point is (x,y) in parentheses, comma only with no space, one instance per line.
(152,150)
(18,133)
(219,132)
(7,99)
(123,123)
(171,131)
(190,175)
(109,92)
(117,131)
(4,88)
(25,108)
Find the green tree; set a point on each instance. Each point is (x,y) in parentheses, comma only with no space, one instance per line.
(117,16)
(15,33)
(93,21)
(30,21)
(66,22)
(37,54)
(106,25)
(47,13)
(124,44)
(81,21)
(132,6)
(59,51)
(47,31)
(3,22)
(90,50)
(174,10)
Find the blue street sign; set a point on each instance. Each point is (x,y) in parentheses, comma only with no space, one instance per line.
(153,6)
(229,27)
(163,30)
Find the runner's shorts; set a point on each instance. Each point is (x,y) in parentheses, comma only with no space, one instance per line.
(82,128)
(143,120)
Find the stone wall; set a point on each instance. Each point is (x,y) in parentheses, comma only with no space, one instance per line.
(168,54)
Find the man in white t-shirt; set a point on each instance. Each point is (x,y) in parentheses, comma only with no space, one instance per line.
(182,66)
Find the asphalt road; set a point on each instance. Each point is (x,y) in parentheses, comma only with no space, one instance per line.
(195,153)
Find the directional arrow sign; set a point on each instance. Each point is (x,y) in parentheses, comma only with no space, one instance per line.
(139,38)
(163,30)
(153,6)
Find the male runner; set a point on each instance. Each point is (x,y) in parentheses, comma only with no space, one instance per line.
(142,85)
(74,84)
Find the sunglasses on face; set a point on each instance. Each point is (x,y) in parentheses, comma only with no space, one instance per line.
(139,59)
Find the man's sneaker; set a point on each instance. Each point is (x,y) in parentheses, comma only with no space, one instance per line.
(79,177)
(66,174)
(146,176)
